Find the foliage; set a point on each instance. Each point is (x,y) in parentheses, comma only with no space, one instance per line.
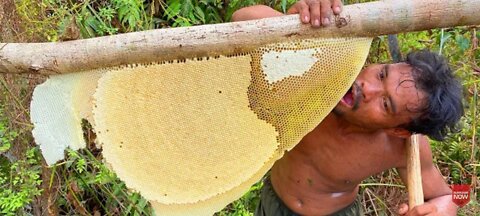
(245,205)
(67,20)
(90,187)
(20,183)
(19,180)
(6,135)
(82,185)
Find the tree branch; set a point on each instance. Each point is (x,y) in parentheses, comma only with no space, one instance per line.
(368,19)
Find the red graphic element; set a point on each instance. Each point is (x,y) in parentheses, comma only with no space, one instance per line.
(461,194)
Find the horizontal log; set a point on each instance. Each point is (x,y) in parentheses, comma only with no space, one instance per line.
(367,19)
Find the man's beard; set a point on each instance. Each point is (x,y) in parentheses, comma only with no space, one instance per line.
(338,112)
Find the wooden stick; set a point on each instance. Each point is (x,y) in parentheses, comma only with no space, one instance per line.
(414,175)
(367,19)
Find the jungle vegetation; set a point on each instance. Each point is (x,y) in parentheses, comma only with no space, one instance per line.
(82,185)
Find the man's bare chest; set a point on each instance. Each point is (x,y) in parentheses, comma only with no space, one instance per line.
(341,163)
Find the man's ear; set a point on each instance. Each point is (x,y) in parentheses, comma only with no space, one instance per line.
(398,132)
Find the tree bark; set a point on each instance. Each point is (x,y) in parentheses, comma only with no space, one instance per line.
(367,19)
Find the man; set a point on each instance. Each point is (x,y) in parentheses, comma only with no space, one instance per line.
(365,133)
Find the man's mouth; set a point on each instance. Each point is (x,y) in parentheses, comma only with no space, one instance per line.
(353,97)
(348,98)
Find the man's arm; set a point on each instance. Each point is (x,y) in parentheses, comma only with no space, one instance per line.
(316,12)
(254,12)
(437,193)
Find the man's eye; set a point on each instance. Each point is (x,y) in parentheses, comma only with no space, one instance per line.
(381,75)
(385,103)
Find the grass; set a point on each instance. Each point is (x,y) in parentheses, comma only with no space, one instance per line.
(82,185)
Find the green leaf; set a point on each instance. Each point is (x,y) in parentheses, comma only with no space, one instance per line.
(199,14)
(173,9)
(187,8)
(445,37)
(284,6)
(462,42)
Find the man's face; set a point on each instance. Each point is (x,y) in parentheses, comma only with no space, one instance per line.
(383,96)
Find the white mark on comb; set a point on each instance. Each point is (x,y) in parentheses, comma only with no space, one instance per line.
(279,65)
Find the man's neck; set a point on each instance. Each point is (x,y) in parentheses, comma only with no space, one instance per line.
(344,127)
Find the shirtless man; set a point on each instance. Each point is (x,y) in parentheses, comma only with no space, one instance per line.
(365,133)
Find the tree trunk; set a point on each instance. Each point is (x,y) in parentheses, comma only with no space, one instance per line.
(367,19)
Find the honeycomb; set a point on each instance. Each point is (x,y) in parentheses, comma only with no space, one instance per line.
(57,109)
(296,104)
(193,135)
(173,120)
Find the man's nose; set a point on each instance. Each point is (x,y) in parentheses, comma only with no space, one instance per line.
(370,91)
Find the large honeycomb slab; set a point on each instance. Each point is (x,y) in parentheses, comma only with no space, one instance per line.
(194,135)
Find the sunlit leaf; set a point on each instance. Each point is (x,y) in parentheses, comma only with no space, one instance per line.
(462,42)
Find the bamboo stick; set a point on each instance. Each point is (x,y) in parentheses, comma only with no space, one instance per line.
(367,19)
(414,175)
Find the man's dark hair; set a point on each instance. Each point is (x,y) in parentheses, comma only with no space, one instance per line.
(443,106)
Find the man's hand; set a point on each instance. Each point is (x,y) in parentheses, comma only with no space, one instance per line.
(316,12)
(425,209)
